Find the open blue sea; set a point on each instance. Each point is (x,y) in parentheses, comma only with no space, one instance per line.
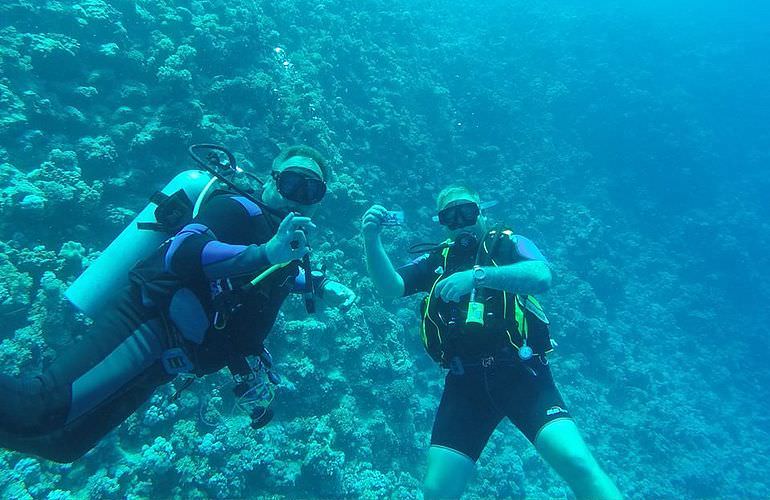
(629,139)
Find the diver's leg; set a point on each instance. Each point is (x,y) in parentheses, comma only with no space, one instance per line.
(73,440)
(448,473)
(87,391)
(546,421)
(77,381)
(78,437)
(562,446)
(464,422)
(28,408)
(536,407)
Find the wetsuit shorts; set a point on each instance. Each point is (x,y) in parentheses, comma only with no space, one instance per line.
(475,402)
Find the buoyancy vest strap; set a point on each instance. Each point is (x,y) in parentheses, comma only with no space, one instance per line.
(426,313)
(521,320)
(151,226)
(533,306)
(159,197)
(519,316)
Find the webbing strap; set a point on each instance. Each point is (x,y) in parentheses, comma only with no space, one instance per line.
(521,318)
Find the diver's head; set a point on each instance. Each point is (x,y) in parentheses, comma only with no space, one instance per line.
(459,211)
(297,182)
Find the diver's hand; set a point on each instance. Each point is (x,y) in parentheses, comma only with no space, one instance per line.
(336,294)
(371,223)
(291,240)
(456,286)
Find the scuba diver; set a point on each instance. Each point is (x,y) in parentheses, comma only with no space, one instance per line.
(203,299)
(481,322)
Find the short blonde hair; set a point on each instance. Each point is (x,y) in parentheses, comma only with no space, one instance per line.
(454,190)
(307,152)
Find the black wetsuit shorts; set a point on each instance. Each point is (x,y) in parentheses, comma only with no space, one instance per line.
(476,400)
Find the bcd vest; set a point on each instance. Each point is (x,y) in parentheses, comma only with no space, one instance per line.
(510,319)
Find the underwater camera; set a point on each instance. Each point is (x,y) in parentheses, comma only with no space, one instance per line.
(393,218)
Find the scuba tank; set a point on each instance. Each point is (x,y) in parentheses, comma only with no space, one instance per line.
(104,278)
(177,204)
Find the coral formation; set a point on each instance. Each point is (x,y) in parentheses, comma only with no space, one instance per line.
(611,165)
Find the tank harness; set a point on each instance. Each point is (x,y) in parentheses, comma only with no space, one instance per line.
(526,329)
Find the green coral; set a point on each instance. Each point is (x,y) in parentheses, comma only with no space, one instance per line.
(12,116)
(98,153)
(15,286)
(53,54)
(96,11)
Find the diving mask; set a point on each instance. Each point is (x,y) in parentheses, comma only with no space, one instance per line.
(463,213)
(296,185)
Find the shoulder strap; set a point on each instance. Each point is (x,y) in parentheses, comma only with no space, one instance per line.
(171,214)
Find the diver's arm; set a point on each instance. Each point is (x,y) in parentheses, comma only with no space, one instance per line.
(529,274)
(196,251)
(384,276)
(221,260)
(529,277)
(526,278)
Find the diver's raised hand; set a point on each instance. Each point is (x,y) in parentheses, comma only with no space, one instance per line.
(291,240)
(371,223)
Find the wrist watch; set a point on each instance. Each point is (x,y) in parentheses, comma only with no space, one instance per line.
(479,276)
(319,279)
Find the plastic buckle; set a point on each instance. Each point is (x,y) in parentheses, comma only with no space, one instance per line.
(175,361)
(487,362)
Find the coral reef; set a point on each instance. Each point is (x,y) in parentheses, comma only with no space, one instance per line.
(629,164)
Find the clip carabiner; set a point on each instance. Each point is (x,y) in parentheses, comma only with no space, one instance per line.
(220,321)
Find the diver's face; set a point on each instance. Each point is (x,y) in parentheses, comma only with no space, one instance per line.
(479,227)
(300,168)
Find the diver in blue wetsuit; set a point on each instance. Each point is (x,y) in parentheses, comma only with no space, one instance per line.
(205,299)
(482,323)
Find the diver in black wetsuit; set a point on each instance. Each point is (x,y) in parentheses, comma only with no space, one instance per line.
(206,299)
(481,322)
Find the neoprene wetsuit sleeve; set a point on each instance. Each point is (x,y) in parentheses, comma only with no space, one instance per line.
(225,240)
(420,274)
(517,248)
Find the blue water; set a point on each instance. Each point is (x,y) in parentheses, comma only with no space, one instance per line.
(628,139)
